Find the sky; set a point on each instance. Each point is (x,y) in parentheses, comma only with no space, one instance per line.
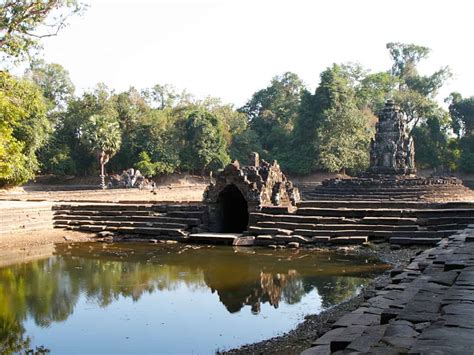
(232,48)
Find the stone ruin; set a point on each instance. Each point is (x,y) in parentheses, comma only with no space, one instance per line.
(130,178)
(392,169)
(238,190)
(392,151)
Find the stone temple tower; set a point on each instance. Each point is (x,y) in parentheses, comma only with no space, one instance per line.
(392,151)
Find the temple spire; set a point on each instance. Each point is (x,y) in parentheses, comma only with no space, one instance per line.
(392,151)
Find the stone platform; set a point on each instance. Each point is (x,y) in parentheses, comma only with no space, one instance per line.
(391,188)
(427,308)
(342,222)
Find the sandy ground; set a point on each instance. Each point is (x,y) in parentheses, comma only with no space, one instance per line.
(192,192)
(24,247)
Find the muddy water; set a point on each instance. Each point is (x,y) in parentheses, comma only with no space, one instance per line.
(108,298)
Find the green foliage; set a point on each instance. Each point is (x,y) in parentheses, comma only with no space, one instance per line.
(54,82)
(161,131)
(205,147)
(273,111)
(20,20)
(462,113)
(150,169)
(24,128)
(343,135)
(466,161)
(101,134)
(374,89)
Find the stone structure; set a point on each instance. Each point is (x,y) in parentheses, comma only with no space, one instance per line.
(425,308)
(239,190)
(128,179)
(392,151)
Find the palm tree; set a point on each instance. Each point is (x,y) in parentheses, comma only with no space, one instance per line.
(102,135)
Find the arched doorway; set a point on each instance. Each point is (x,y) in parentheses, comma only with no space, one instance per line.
(233,212)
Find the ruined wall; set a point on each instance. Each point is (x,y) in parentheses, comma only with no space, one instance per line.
(260,184)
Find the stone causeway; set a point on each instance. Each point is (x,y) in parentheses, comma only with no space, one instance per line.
(426,308)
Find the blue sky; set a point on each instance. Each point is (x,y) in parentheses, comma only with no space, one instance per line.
(231,48)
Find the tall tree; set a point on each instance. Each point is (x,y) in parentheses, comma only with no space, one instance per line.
(462,113)
(101,133)
(24,129)
(344,133)
(273,111)
(54,82)
(205,146)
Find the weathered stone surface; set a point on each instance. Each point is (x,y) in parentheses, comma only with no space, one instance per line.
(318,350)
(368,338)
(357,319)
(431,311)
(444,340)
(392,151)
(260,184)
(293,245)
(444,278)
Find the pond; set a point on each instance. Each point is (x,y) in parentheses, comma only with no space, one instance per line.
(143,298)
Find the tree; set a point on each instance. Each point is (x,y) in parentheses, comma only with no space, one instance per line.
(24,22)
(205,146)
(54,82)
(24,129)
(462,113)
(273,111)
(101,133)
(331,132)
(343,135)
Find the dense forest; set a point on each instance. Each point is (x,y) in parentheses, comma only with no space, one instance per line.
(45,128)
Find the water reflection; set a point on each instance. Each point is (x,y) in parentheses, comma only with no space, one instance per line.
(47,291)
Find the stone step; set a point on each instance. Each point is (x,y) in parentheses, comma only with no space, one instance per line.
(275,209)
(384,212)
(131,230)
(185,214)
(349,240)
(268,231)
(152,219)
(105,213)
(349,213)
(23,227)
(293,218)
(405,221)
(386,234)
(102,207)
(122,224)
(177,207)
(384,204)
(414,241)
(27,217)
(214,238)
(448,220)
(293,226)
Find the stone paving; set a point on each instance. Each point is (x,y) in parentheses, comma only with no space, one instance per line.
(428,308)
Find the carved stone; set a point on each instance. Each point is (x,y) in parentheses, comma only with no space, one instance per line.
(238,190)
(392,151)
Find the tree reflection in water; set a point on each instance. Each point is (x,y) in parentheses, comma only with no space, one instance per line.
(48,290)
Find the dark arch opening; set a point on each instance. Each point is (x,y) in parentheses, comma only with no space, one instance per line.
(233,210)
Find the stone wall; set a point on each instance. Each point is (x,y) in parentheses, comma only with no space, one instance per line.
(23,216)
(260,184)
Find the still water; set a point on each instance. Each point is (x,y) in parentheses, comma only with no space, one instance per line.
(109,298)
